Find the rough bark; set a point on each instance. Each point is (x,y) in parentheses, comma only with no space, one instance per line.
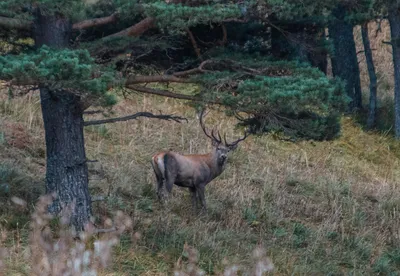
(394,20)
(344,60)
(66,171)
(371,121)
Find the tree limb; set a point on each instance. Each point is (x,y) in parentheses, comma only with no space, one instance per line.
(157,78)
(224,35)
(134,117)
(135,30)
(164,93)
(194,43)
(13,23)
(95,22)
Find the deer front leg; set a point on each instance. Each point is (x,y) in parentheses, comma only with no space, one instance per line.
(200,192)
(193,194)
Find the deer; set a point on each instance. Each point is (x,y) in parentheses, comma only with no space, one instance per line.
(193,171)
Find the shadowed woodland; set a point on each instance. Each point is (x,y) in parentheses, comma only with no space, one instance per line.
(307,94)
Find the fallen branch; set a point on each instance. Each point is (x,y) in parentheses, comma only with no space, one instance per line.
(134,117)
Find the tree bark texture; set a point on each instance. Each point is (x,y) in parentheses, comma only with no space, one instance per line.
(394,20)
(66,171)
(344,59)
(371,121)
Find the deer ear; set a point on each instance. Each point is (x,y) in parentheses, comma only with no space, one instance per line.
(233,147)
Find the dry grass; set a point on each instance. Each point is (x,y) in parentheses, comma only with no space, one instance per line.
(316,208)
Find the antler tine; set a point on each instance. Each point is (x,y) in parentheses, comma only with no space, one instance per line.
(219,137)
(215,138)
(202,124)
(225,139)
(246,134)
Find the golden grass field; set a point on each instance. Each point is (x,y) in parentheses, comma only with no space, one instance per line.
(317,208)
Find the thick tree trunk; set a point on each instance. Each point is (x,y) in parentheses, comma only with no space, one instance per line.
(344,60)
(67,173)
(394,20)
(371,121)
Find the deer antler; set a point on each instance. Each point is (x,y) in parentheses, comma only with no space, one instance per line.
(233,144)
(212,136)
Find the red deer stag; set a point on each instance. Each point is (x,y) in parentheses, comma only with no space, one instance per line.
(193,171)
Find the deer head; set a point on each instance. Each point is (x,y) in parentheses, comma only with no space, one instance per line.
(221,148)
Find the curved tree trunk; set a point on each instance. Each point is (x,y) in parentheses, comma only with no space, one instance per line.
(371,121)
(66,172)
(344,60)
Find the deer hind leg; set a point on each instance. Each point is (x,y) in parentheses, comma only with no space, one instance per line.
(158,167)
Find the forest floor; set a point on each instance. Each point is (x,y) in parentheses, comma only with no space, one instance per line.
(317,208)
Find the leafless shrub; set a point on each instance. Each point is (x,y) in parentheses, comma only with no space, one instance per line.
(261,264)
(62,252)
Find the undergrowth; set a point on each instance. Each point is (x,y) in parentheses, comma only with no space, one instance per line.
(314,208)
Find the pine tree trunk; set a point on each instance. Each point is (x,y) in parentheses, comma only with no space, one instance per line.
(371,121)
(344,60)
(66,172)
(394,20)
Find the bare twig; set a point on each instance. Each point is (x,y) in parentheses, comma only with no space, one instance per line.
(134,117)
(98,198)
(92,112)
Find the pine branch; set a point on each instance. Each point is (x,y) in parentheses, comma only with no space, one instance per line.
(135,30)
(21,24)
(95,22)
(134,117)
(16,24)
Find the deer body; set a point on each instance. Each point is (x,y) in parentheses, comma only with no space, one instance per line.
(193,171)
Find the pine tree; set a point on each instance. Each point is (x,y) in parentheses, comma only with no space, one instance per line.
(76,62)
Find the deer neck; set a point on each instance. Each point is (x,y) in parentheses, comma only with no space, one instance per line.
(216,167)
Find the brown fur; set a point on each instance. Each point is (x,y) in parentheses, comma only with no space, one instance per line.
(193,171)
